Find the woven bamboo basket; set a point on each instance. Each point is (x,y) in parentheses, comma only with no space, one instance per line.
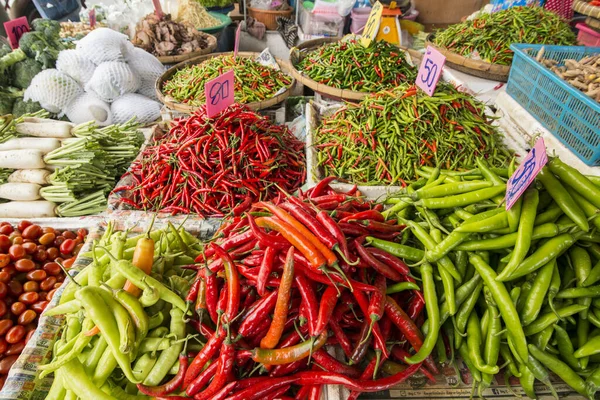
(187,109)
(269,17)
(299,52)
(212,45)
(583,7)
(481,69)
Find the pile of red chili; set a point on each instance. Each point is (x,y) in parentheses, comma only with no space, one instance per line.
(291,278)
(212,166)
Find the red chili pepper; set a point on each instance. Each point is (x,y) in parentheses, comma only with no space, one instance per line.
(377,302)
(310,222)
(310,302)
(392,261)
(266,267)
(228,244)
(212,295)
(233,284)
(377,265)
(363,215)
(201,299)
(258,313)
(170,386)
(320,188)
(224,369)
(265,239)
(202,379)
(337,234)
(261,387)
(326,308)
(208,351)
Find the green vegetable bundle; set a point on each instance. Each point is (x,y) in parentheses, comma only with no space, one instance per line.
(521,288)
(89,166)
(383,139)
(349,65)
(138,338)
(489,37)
(254,82)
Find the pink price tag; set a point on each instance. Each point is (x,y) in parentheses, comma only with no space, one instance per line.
(526,173)
(15,29)
(92,16)
(430,70)
(237,40)
(219,93)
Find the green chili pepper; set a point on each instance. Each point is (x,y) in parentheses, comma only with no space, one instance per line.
(536,296)
(559,368)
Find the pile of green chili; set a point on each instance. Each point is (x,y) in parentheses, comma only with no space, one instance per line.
(489,37)
(384,138)
(254,82)
(349,65)
(521,288)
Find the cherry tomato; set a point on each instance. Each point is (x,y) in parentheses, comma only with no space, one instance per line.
(4,276)
(69,234)
(31,286)
(24,265)
(7,362)
(57,285)
(47,238)
(6,229)
(3,346)
(68,263)
(23,225)
(50,294)
(59,240)
(32,232)
(40,255)
(48,229)
(10,270)
(48,283)
(29,297)
(15,288)
(27,317)
(43,296)
(5,325)
(17,308)
(38,275)
(77,249)
(4,243)
(82,233)
(16,348)
(29,335)
(30,247)
(15,334)
(17,240)
(4,260)
(52,268)
(3,308)
(16,252)
(39,306)
(3,289)
(52,253)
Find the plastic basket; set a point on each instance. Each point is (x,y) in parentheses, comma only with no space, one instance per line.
(587,36)
(269,17)
(566,112)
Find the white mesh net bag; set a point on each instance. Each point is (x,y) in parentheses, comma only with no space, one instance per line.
(147,88)
(88,107)
(112,79)
(104,44)
(53,90)
(135,105)
(146,66)
(77,67)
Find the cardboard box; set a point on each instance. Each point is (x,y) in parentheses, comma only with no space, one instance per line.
(441,13)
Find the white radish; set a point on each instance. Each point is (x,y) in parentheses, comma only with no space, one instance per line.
(20,191)
(28,209)
(39,176)
(22,159)
(42,127)
(45,145)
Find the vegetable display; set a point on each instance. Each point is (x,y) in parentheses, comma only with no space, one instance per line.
(349,65)
(215,166)
(144,331)
(583,74)
(488,37)
(253,82)
(29,278)
(194,14)
(165,37)
(387,136)
(519,286)
(76,30)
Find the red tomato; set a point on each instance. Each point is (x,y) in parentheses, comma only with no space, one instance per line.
(15,334)
(27,317)
(32,232)
(17,308)
(48,283)
(7,362)
(5,325)
(37,275)
(16,252)
(23,225)
(24,265)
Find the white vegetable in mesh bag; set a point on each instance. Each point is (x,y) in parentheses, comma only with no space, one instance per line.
(135,105)
(53,90)
(77,67)
(88,107)
(104,44)
(148,89)
(112,79)
(146,66)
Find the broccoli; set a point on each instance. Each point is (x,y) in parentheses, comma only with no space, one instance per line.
(48,27)
(24,71)
(43,49)
(4,49)
(7,99)
(22,107)
(11,59)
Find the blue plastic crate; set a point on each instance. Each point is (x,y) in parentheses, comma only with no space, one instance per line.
(564,110)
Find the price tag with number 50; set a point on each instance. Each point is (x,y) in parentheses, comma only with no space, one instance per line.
(430,70)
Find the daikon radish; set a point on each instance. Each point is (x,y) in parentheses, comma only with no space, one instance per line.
(47,128)
(45,145)
(20,191)
(22,159)
(39,176)
(28,209)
